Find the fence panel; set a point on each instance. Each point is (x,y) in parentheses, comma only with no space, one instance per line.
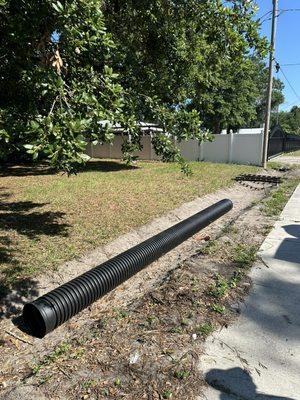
(233,148)
(292,143)
(276,142)
(279,142)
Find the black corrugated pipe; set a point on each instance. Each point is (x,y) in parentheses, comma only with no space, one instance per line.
(56,307)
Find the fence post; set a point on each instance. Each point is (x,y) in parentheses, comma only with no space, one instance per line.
(230,147)
(262,146)
(201,151)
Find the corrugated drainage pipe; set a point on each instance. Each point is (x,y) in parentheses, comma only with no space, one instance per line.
(54,308)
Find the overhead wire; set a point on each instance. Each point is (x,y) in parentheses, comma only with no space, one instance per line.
(290,9)
(279,68)
(290,65)
(263,16)
(280,12)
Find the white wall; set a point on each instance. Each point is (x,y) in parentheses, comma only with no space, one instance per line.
(252,131)
(232,148)
(235,148)
(216,151)
(247,148)
(190,150)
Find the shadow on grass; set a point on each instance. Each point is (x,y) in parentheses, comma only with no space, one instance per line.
(21,218)
(25,170)
(14,296)
(107,166)
(19,170)
(18,217)
(14,290)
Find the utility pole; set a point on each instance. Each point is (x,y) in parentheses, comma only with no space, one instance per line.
(270,85)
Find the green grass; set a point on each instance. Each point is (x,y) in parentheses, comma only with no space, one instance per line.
(60,351)
(46,219)
(275,165)
(276,202)
(205,329)
(218,308)
(219,288)
(293,154)
(244,255)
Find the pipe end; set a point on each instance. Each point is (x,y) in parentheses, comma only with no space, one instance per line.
(39,317)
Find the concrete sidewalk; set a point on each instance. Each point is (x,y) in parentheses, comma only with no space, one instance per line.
(258,357)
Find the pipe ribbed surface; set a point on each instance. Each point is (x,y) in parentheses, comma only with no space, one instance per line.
(56,307)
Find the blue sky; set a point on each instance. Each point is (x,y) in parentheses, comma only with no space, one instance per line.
(287,45)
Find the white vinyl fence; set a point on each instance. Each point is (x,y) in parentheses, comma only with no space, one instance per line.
(237,148)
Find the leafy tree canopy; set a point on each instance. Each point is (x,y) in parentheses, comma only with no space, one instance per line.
(288,120)
(70,70)
(261,102)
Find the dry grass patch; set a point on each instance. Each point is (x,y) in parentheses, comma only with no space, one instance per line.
(46,219)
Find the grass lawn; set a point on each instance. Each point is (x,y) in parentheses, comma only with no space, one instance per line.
(275,203)
(293,154)
(46,218)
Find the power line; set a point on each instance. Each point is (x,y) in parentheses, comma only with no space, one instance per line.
(281,11)
(290,65)
(290,9)
(276,16)
(267,13)
(289,104)
(289,83)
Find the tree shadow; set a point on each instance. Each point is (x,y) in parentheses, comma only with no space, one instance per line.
(272,306)
(289,247)
(107,166)
(5,255)
(19,170)
(25,170)
(23,218)
(237,383)
(13,297)
(34,223)
(17,216)
(14,291)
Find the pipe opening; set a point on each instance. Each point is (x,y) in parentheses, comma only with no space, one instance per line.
(34,320)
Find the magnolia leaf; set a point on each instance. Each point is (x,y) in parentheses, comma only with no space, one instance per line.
(58,6)
(84,157)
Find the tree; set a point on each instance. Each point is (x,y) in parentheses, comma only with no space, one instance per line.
(65,79)
(288,120)
(238,96)
(56,82)
(277,95)
(230,102)
(198,50)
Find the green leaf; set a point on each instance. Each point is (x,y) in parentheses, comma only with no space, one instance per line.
(58,6)
(84,157)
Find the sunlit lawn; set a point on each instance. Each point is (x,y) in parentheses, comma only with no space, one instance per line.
(46,219)
(293,154)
